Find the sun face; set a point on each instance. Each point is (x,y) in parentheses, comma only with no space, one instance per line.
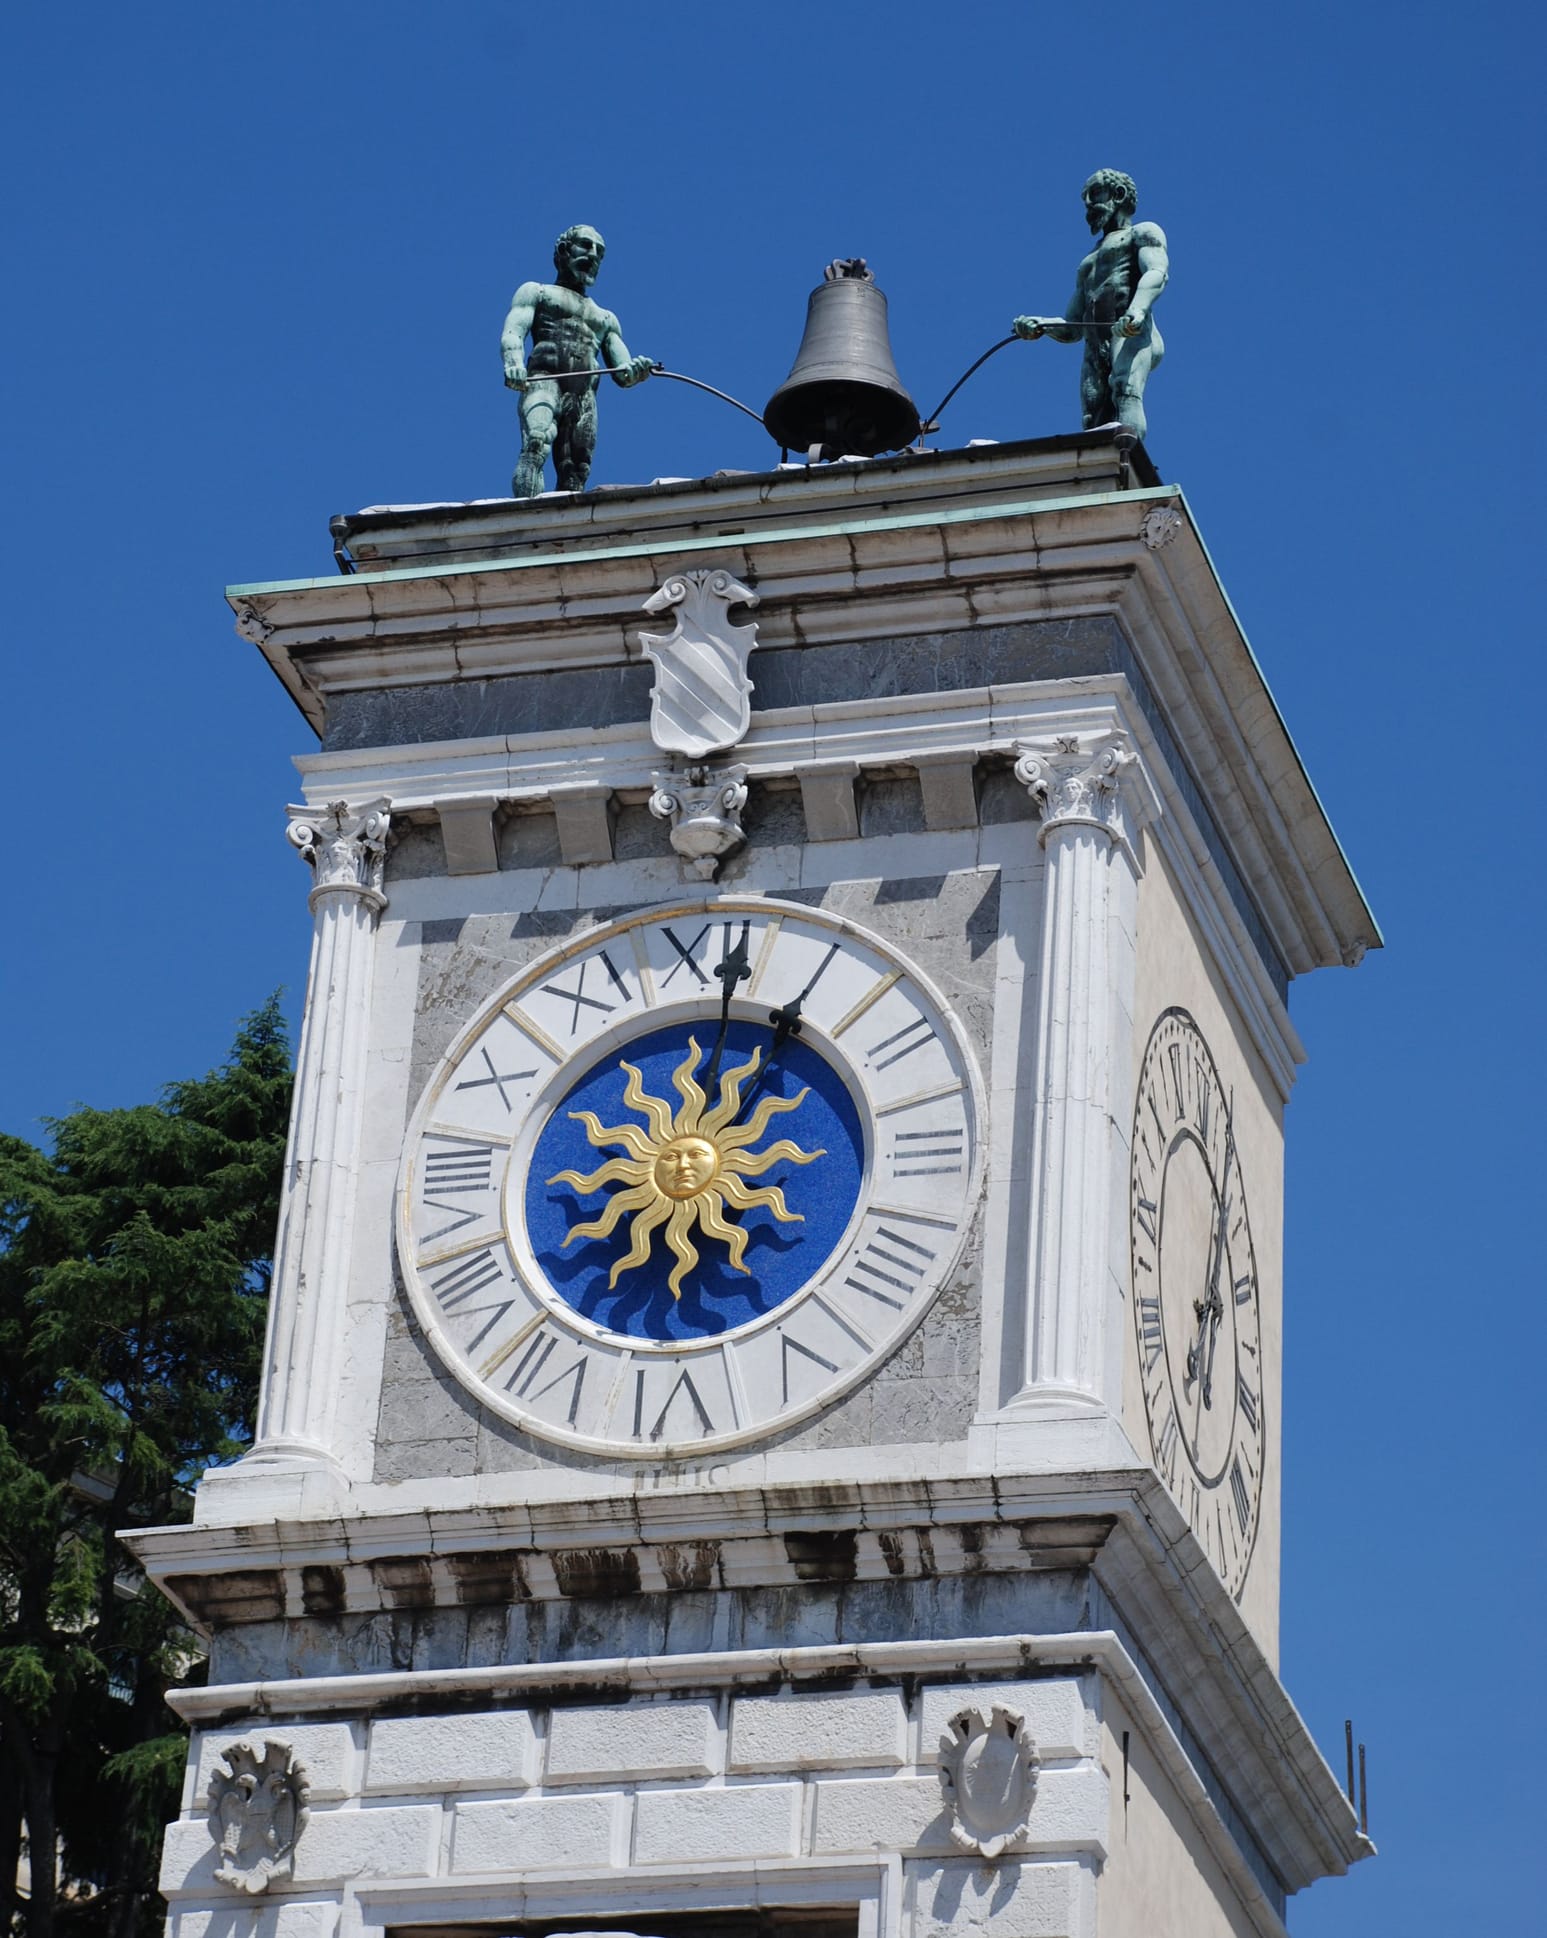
(686,1167)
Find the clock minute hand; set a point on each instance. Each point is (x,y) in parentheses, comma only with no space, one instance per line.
(732,968)
(786,1022)
(1215,1310)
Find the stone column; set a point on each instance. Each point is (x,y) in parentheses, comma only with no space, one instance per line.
(346,847)
(1094,796)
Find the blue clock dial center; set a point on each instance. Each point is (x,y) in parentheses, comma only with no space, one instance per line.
(662,1212)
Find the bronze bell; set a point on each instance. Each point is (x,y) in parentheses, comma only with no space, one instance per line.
(844,394)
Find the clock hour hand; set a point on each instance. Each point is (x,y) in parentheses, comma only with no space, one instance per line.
(786,1022)
(1211,1311)
(732,968)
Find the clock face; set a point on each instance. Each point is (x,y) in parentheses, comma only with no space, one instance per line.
(1195,1295)
(689,1177)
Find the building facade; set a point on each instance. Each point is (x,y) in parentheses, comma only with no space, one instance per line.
(773,1394)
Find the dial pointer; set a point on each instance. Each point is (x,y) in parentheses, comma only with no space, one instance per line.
(732,968)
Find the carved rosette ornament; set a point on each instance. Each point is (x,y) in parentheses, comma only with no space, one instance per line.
(704,809)
(988,1778)
(1159,525)
(701,702)
(257,1810)
(346,846)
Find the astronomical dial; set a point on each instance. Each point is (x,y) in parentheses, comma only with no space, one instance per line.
(690,1177)
(1195,1302)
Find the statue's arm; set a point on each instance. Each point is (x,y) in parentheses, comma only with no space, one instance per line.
(626,370)
(523,308)
(1029,328)
(1154,271)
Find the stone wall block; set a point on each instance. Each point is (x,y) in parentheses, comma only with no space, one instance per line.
(1072,1809)
(882,1813)
(326,1751)
(543,1833)
(865,1730)
(496,1750)
(188,1860)
(652,1739)
(273,1918)
(396,1842)
(693,1826)
(1054,1712)
(1008,1899)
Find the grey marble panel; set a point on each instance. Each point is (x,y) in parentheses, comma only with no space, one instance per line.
(1050,1601)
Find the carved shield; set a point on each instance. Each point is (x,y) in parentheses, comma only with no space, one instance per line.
(988,1778)
(701,703)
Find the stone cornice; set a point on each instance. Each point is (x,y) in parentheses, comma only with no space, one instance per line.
(1186,1648)
(936,569)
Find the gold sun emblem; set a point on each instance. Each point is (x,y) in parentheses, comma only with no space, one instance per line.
(686,1168)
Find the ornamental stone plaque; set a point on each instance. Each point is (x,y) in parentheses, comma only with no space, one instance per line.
(257,1809)
(988,1778)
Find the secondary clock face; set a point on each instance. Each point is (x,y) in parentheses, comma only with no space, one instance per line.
(631,1233)
(1195,1302)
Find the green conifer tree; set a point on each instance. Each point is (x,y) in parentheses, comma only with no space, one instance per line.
(134,1269)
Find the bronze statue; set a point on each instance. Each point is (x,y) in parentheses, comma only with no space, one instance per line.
(1114,292)
(570,334)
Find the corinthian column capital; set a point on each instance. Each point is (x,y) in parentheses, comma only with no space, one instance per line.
(1086,781)
(346,847)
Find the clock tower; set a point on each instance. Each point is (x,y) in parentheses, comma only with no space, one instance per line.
(773,1394)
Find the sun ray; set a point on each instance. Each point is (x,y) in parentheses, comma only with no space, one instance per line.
(685,1168)
(746,1198)
(693,1099)
(617,1170)
(640,1233)
(638,1098)
(640,1196)
(682,1216)
(752,1164)
(718,1226)
(730,1097)
(630,1136)
(739,1136)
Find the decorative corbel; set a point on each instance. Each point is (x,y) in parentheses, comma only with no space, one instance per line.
(704,809)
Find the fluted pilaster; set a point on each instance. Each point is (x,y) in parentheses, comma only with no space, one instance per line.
(346,847)
(1094,798)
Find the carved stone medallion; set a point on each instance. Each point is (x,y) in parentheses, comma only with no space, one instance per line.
(257,1809)
(701,703)
(1159,525)
(988,1778)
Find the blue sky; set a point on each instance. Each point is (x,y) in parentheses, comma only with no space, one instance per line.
(258,259)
